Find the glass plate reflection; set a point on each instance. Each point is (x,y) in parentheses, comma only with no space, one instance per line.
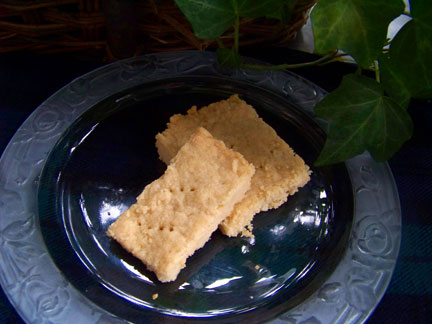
(326,256)
(106,158)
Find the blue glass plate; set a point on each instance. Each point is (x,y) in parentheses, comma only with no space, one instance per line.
(324,256)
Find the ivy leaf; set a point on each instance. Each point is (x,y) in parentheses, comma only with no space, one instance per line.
(362,118)
(264,8)
(393,82)
(228,57)
(276,9)
(284,13)
(358,27)
(407,71)
(211,18)
(421,10)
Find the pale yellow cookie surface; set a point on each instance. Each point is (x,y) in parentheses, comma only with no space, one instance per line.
(279,171)
(176,214)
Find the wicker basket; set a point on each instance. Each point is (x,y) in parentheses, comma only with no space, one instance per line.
(110,29)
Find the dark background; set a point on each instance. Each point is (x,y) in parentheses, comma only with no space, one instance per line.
(26,80)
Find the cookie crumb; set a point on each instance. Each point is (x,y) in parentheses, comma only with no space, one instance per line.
(154,296)
(247,231)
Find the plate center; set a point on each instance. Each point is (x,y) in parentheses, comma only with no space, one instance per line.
(107,157)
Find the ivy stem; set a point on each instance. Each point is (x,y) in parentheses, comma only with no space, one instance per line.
(377,71)
(220,43)
(358,71)
(289,66)
(339,58)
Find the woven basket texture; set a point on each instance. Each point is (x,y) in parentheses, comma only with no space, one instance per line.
(112,29)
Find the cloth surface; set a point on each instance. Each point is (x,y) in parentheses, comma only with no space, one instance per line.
(27,80)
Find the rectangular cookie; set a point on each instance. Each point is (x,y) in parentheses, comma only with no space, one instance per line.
(279,171)
(176,214)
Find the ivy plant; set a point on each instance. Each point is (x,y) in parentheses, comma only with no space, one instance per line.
(363,113)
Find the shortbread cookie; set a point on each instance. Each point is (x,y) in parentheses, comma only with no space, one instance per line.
(279,171)
(176,214)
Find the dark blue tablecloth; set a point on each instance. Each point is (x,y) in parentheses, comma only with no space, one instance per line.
(27,80)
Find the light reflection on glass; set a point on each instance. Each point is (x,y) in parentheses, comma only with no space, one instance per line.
(83,138)
(95,239)
(59,177)
(245,249)
(278,282)
(306,270)
(317,220)
(185,284)
(84,212)
(306,218)
(323,194)
(278,229)
(265,279)
(208,313)
(109,212)
(136,272)
(251,240)
(222,282)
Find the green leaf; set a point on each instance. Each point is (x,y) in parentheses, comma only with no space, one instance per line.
(283,11)
(227,57)
(276,9)
(408,68)
(358,27)
(211,18)
(263,8)
(362,118)
(421,10)
(393,82)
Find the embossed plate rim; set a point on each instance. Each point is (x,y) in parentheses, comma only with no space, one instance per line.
(40,293)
